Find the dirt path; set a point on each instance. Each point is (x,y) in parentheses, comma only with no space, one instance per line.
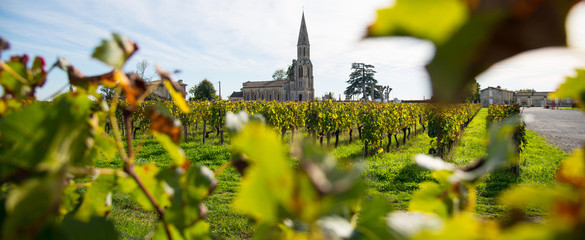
(562,128)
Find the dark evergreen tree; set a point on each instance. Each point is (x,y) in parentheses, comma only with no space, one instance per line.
(290,72)
(362,77)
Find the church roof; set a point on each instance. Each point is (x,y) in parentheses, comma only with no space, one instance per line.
(237,95)
(303,35)
(256,84)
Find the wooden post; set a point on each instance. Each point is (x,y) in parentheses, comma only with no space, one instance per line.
(365,152)
(204,130)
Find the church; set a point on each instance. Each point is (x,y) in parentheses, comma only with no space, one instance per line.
(299,88)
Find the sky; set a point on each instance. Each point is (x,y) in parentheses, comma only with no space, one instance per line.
(234,41)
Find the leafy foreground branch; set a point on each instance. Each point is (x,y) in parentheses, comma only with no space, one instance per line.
(47,149)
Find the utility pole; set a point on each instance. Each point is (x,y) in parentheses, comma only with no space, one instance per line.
(219,90)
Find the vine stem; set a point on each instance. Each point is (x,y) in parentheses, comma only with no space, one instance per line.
(129,168)
(13,73)
(128,163)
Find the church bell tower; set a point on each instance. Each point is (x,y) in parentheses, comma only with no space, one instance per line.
(303,78)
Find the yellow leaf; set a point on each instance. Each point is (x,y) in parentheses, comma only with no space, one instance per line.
(178,97)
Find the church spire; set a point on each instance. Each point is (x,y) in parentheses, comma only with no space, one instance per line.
(303,35)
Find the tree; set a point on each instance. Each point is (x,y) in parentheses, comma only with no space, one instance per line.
(141,68)
(290,72)
(329,95)
(107,92)
(362,77)
(279,75)
(473,94)
(204,91)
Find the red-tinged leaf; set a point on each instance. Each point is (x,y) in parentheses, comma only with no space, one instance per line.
(4,44)
(39,74)
(162,122)
(133,87)
(76,78)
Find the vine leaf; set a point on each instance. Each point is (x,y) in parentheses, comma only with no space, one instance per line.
(435,20)
(28,206)
(19,81)
(427,199)
(116,51)
(524,197)
(371,222)
(147,174)
(95,228)
(94,201)
(188,192)
(162,122)
(573,87)
(467,46)
(174,89)
(132,85)
(572,169)
(267,184)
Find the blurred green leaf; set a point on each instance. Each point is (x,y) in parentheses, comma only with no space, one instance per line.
(429,198)
(147,174)
(454,63)
(435,20)
(106,145)
(115,52)
(172,148)
(522,197)
(198,231)
(573,87)
(174,89)
(29,206)
(268,181)
(95,199)
(95,228)
(572,169)
(15,82)
(371,222)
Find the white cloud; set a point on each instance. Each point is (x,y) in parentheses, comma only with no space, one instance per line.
(234,41)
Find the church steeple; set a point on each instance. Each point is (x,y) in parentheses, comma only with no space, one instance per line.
(303,35)
(302,84)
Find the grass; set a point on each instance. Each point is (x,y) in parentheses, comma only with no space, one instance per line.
(538,164)
(393,175)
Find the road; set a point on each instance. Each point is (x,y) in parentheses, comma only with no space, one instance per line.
(562,128)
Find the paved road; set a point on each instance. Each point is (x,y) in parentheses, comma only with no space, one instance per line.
(562,128)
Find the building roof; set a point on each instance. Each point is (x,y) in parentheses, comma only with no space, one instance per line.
(180,82)
(303,35)
(237,95)
(500,89)
(532,93)
(259,84)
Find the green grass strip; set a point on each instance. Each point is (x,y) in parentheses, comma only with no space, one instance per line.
(538,163)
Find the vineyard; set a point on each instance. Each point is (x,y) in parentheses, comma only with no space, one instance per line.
(373,122)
